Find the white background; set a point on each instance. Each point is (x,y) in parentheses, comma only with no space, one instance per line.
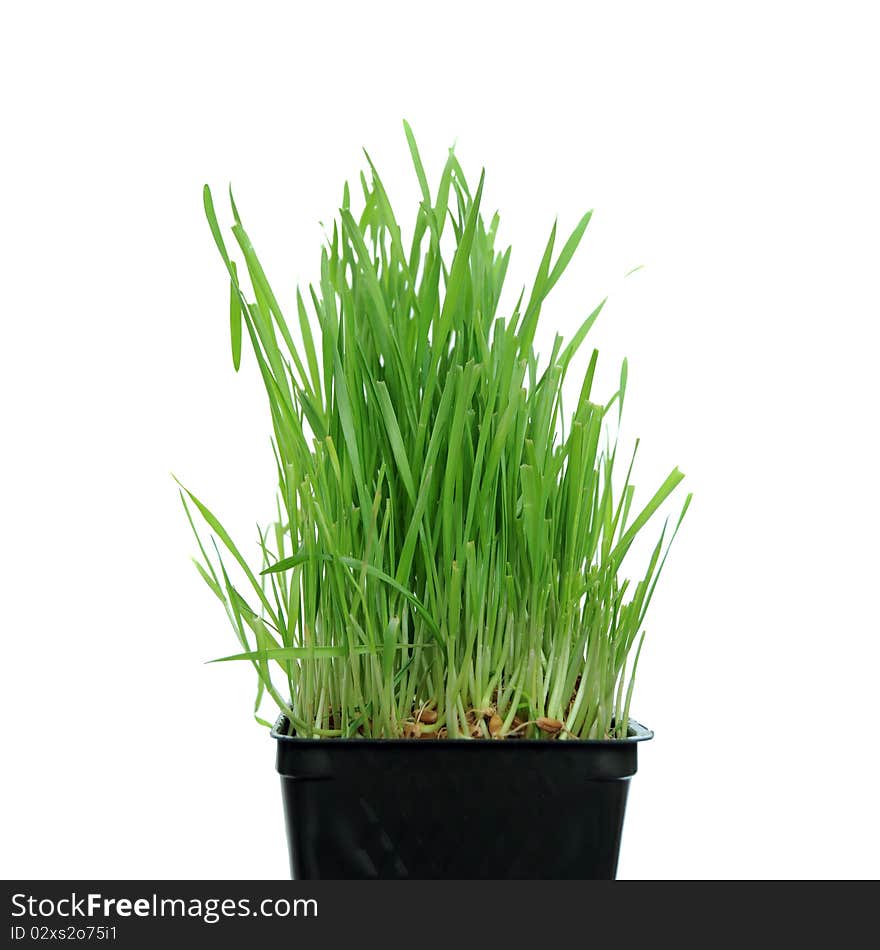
(732,149)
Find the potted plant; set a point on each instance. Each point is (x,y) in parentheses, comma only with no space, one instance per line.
(447,561)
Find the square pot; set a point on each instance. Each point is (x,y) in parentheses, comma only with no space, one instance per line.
(455,808)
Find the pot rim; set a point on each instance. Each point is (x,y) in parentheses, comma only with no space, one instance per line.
(637,733)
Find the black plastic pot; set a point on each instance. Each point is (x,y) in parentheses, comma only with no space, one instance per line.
(454,809)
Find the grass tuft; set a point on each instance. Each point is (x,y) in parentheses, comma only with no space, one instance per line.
(447,556)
